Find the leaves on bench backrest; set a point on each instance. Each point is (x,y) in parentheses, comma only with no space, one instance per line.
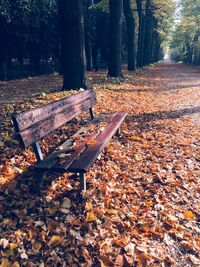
(36,123)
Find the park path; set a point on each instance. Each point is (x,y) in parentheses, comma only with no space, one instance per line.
(142,205)
(166,87)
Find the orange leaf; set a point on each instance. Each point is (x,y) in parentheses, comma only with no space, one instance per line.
(91,142)
(55,240)
(137,138)
(148,203)
(112,212)
(189,215)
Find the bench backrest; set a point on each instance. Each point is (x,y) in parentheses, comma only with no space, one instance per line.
(32,125)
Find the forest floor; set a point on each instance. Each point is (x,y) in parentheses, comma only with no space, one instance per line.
(142,206)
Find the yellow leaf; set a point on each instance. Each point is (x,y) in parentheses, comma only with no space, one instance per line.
(90,217)
(55,240)
(112,212)
(91,142)
(5,263)
(13,245)
(88,206)
(148,203)
(8,138)
(189,215)
(6,221)
(137,157)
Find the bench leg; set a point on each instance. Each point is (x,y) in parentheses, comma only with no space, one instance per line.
(118,132)
(82,182)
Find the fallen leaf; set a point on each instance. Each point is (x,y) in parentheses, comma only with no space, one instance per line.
(119,261)
(195,261)
(137,138)
(88,206)
(55,240)
(66,204)
(5,263)
(4,243)
(189,215)
(148,203)
(90,217)
(91,142)
(112,212)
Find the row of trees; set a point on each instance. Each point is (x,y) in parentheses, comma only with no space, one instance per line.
(152,23)
(91,33)
(185,43)
(29,34)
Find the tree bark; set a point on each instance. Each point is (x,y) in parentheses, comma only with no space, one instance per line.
(148,34)
(72,44)
(3,50)
(130,24)
(141,33)
(114,68)
(195,49)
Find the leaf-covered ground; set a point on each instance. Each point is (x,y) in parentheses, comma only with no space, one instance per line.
(142,205)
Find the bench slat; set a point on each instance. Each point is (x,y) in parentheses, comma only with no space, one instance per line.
(53,158)
(67,161)
(26,119)
(87,158)
(42,128)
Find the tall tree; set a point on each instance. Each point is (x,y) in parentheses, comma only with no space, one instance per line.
(130,23)
(148,33)
(185,44)
(72,44)
(115,58)
(141,33)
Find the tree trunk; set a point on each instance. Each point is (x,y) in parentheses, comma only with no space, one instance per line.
(148,34)
(130,23)
(72,44)
(195,49)
(114,68)
(3,50)
(141,33)
(189,52)
(88,26)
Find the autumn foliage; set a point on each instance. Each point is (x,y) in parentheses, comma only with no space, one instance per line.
(142,203)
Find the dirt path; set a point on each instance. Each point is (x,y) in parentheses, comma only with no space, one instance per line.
(165,87)
(142,205)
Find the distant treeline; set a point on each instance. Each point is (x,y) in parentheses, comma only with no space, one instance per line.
(185,43)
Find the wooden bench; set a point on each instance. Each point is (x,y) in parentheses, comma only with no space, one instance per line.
(33,125)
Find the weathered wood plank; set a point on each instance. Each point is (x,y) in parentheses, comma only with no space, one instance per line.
(87,158)
(42,128)
(26,119)
(64,162)
(53,158)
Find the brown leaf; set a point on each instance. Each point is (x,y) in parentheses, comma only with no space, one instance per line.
(119,261)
